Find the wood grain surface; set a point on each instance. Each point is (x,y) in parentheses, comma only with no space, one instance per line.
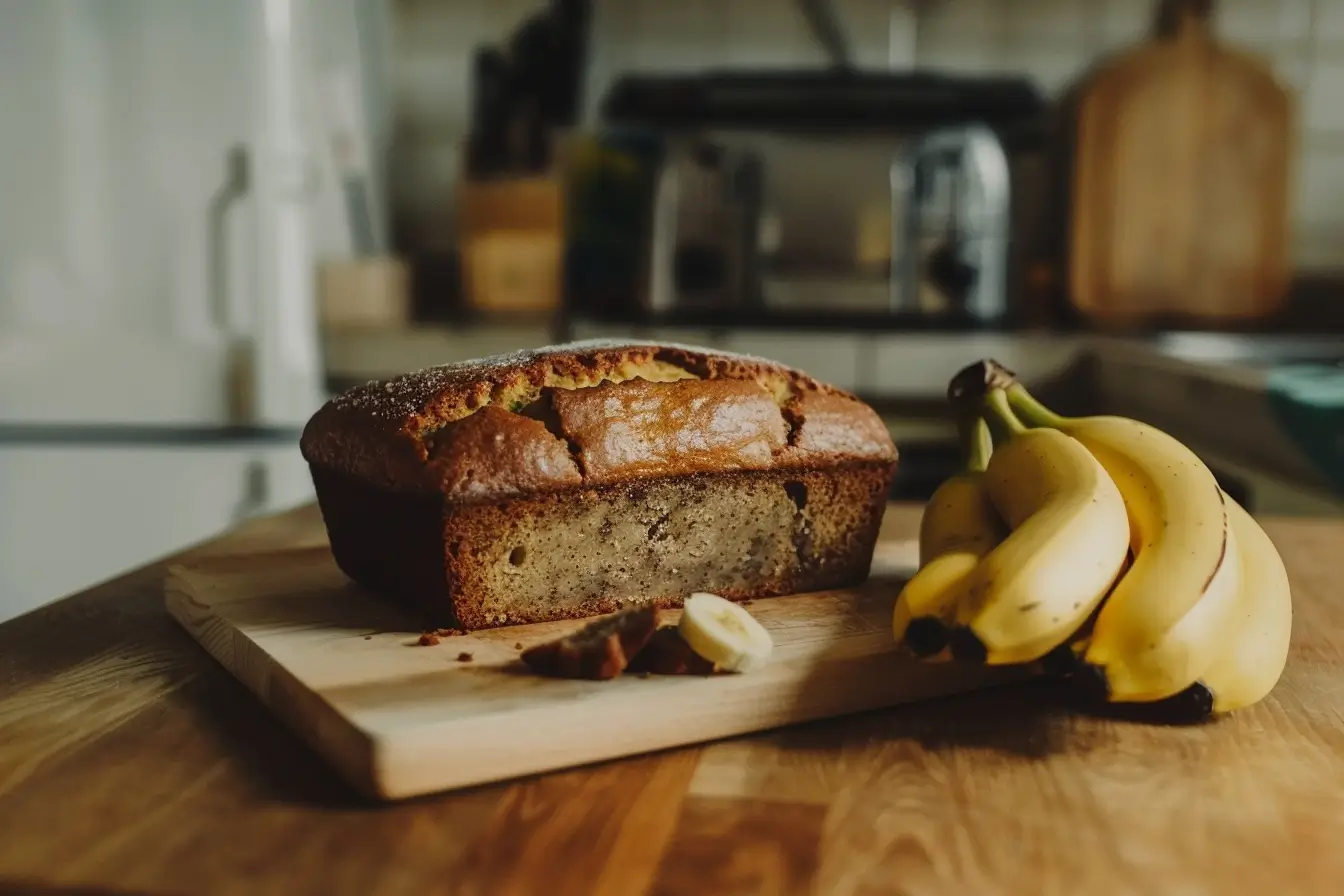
(397,719)
(1182,173)
(130,762)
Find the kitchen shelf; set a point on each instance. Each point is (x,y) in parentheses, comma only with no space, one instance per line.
(800,320)
(112,434)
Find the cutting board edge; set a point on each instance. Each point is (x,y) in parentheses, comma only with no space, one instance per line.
(392,783)
(349,749)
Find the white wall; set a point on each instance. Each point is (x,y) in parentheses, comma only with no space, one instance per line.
(115,122)
(117,118)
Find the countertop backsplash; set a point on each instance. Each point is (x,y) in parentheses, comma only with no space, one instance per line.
(1051,41)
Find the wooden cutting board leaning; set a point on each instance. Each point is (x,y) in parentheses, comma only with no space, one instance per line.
(397,719)
(1183,151)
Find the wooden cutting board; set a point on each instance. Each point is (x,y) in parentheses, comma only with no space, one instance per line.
(397,719)
(1183,155)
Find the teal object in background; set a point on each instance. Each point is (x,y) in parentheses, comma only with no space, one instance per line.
(1308,400)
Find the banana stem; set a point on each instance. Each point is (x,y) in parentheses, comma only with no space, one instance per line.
(1000,417)
(1032,411)
(976,443)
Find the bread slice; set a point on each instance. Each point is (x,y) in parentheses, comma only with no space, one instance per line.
(667,653)
(567,482)
(600,650)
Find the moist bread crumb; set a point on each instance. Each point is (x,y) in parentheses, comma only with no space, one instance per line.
(429,639)
(563,482)
(600,650)
(667,653)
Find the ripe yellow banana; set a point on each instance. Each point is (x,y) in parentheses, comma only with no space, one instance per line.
(1065,660)
(958,528)
(1176,660)
(927,604)
(1069,539)
(1162,624)
(1253,653)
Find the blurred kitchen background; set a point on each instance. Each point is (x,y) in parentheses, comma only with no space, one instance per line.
(214,214)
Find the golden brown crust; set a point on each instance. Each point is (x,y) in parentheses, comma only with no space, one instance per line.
(494,453)
(424,432)
(830,425)
(637,428)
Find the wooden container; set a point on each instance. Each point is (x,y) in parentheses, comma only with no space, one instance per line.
(512,243)
(364,292)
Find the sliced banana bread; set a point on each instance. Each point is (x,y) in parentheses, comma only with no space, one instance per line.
(564,482)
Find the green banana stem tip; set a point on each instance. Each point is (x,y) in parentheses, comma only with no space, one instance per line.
(976,442)
(999,414)
(1030,410)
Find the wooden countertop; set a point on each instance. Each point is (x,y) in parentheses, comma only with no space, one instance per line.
(131,763)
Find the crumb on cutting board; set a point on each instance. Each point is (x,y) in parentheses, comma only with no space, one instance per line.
(600,650)
(464,657)
(429,639)
(667,653)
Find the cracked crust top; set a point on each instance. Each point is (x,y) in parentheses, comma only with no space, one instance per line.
(587,413)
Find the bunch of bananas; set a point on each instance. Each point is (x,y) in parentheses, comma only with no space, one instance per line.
(1099,547)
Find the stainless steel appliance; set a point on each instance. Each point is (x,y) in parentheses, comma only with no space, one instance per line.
(706,209)
(951,222)
(884,198)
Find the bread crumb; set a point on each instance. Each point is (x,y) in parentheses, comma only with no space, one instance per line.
(518,645)
(600,650)
(464,657)
(368,637)
(429,639)
(666,653)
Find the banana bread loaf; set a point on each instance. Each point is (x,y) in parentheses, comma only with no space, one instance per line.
(569,481)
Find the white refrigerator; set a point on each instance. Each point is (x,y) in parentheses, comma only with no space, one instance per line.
(168,190)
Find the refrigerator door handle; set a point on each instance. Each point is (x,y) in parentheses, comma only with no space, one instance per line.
(238,381)
(235,186)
